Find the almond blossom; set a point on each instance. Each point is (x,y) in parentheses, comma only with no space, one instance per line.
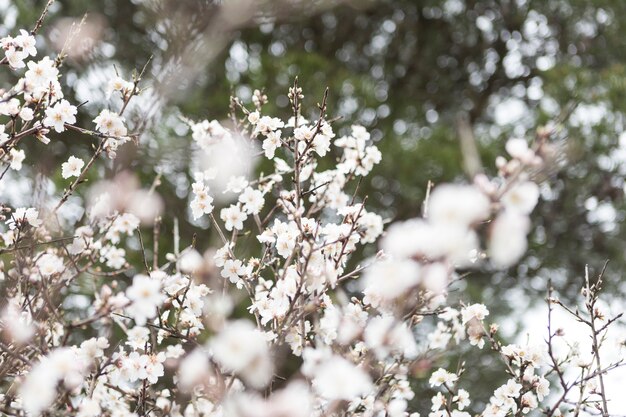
(145,296)
(60,114)
(72,168)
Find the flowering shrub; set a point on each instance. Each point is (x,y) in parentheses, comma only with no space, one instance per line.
(281,319)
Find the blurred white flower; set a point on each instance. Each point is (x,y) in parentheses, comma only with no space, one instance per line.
(507,238)
(454,204)
(242,349)
(49,264)
(338,379)
(145,296)
(391,279)
(194,370)
(522,197)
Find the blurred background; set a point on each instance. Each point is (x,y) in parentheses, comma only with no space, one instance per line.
(419,74)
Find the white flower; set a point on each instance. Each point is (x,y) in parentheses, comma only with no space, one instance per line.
(417,238)
(266,124)
(233,270)
(114,257)
(41,74)
(26,114)
(321,144)
(207,133)
(236,184)
(137,337)
(529,402)
(397,407)
(518,148)
(124,223)
(93,348)
(119,84)
(384,336)
(242,349)
(17,324)
(457,205)
(252,200)
(203,202)
(271,143)
(462,399)
(253,117)
(190,261)
(72,168)
(61,113)
(435,277)
(49,264)
(285,243)
(303,133)
(10,107)
(134,366)
(439,338)
(15,57)
(390,279)
(39,388)
(338,379)
(3,135)
(27,42)
(145,295)
(438,400)
(89,407)
(510,390)
(17,49)
(110,123)
(372,157)
(522,197)
(222,255)
(193,370)
(373,225)
(30,215)
(17,157)
(174,351)
(441,377)
(474,311)
(507,240)
(542,388)
(233,217)
(154,367)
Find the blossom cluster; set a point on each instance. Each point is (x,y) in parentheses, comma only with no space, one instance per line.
(280,317)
